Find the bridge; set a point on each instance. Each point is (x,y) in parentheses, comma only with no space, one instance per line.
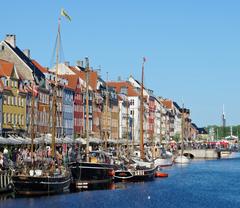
(206,153)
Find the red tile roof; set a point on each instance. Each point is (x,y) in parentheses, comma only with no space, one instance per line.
(41,68)
(119,85)
(167,103)
(93,76)
(72,80)
(6,68)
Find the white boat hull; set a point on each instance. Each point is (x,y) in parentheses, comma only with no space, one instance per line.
(163,162)
(181,160)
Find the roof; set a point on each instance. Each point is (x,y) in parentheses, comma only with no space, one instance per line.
(6,68)
(27,61)
(176,105)
(202,131)
(118,85)
(195,126)
(72,80)
(41,68)
(93,76)
(167,103)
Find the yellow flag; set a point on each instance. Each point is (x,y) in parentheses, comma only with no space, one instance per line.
(64,13)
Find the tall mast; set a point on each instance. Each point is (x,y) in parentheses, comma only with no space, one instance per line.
(127,124)
(32,122)
(160,136)
(183,129)
(133,135)
(118,128)
(87,109)
(141,115)
(55,87)
(223,122)
(106,116)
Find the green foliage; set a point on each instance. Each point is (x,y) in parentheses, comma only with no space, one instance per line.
(176,137)
(220,132)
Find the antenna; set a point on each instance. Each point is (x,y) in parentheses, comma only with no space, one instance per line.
(223,122)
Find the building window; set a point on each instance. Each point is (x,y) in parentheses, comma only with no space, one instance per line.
(22,120)
(5,99)
(9,118)
(8,100)
(19,119)
(132,102)
(123,90)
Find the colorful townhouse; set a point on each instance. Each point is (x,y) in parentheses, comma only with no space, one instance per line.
(14,100)
(130,97)
(1,99)
(43,100)
(76,84)
(68,111)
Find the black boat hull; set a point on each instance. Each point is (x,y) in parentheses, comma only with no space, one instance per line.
(90,176)
(135,175)
(6,184)
(30,185)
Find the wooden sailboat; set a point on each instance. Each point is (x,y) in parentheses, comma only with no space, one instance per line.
(43,178)
(95,170)
(181,159)
(137,169)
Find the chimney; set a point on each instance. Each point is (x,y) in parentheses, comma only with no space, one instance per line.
(80,63)
(86,62)
(11,39)
(27,52)
(67,63)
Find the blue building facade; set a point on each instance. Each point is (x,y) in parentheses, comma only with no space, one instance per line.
(68,112)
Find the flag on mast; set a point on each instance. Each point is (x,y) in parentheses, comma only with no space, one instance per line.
(64,14)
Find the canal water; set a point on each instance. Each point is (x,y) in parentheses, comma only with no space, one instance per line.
(212,183)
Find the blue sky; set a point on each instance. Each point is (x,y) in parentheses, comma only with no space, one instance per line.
(192,47)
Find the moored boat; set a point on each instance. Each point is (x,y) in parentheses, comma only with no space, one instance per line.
(6,184)
(46,177)
(95,174)
(181,159)
(163,162)
(35,184)
(133,174)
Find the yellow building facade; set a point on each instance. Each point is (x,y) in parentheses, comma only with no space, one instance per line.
(14,100)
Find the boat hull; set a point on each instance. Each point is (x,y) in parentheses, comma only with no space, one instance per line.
(161,162)
(88,176)
(181,160)
(31,185)
(6,184)
(134,175)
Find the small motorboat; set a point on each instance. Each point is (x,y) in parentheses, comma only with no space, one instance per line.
(159,174)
